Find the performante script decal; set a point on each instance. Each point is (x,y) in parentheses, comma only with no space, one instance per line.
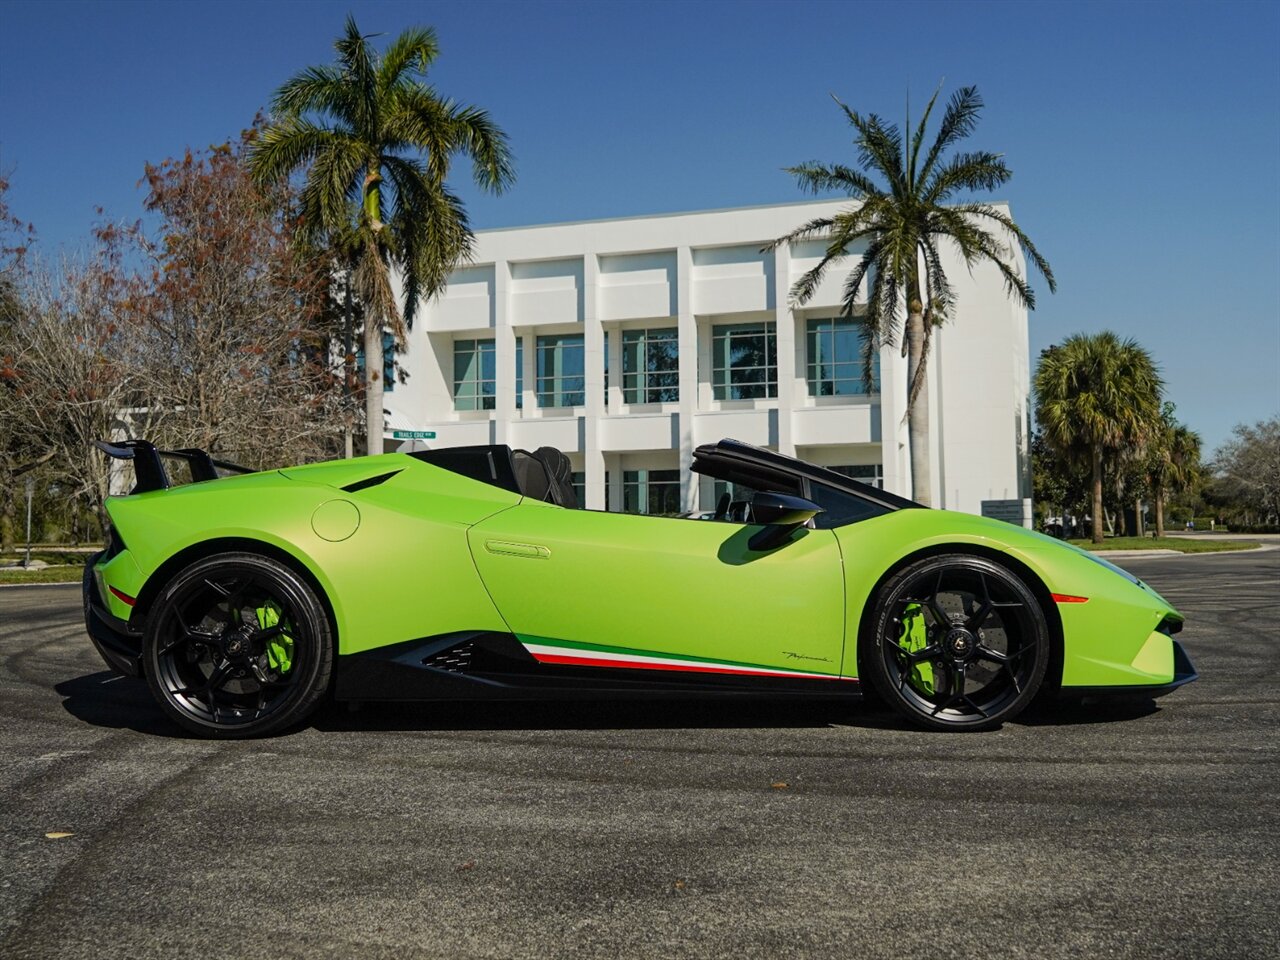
(804,656)
(573,653)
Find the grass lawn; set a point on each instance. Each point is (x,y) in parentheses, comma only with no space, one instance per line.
(1181,544)
(46,575)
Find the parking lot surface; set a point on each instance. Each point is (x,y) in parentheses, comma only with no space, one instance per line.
(649,830)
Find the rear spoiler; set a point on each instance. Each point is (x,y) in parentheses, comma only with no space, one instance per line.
(148,463)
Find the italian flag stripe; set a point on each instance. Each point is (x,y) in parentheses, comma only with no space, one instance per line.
(572,653)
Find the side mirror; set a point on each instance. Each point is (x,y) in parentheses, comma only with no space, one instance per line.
(781,514)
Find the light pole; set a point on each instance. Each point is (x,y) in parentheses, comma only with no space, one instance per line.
(31,489)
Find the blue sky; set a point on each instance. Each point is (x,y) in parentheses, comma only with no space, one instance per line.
(1144,137)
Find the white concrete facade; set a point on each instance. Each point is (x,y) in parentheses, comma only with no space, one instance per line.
(696,274)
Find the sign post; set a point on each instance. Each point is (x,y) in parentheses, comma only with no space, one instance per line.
(31,490)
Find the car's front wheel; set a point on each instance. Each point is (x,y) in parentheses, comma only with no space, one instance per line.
(959,643)
(238,645)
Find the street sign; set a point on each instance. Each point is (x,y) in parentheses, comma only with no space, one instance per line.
(1017,512)
(413,434)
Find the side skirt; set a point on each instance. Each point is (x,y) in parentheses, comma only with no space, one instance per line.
(481,665)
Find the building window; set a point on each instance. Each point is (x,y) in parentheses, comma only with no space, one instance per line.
(580,487)
(737,492)
(650,366)
(474,379)
(744,361)
(388,363)
(519,373)
(560,371)
(835,359)
(651,491)
(872,473)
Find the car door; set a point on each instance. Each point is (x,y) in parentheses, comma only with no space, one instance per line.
(589,588)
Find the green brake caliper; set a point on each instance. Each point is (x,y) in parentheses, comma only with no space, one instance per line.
(915,636)
(280,647)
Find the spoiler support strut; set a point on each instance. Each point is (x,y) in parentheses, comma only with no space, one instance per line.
(148,463)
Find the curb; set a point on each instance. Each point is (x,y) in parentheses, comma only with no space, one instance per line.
(64,583)
(1260,548)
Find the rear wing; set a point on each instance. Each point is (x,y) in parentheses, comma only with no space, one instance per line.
(148,463)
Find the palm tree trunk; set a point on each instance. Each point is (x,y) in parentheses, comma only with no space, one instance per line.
(373,385)
(373,321)
(1138,528)
(1097,494)
(348,359)
(917,406)
(1159,510)
(8,516)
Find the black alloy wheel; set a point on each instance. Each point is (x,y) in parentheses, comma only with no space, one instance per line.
(238,645)
(960,643)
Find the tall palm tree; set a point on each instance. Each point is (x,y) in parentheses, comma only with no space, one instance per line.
(1174,464)
(1097,397)
(904,223)
(377,143)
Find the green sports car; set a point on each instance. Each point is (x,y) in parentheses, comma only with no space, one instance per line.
(244,598)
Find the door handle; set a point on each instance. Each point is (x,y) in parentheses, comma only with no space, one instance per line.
(505,548)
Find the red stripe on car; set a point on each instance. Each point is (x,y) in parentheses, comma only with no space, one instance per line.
(691,668)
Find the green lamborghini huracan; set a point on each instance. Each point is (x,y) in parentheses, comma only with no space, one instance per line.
(244,598)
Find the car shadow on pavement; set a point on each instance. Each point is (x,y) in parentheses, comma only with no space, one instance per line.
(599,715)
(104,699)
(1070,713)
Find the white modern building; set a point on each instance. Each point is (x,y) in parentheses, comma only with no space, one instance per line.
(627,343)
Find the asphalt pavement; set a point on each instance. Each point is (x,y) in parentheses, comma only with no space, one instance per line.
(649,830)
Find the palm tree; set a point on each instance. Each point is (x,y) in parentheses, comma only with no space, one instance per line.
(377,144)
(1175,460)
(904,223)
(1097,396)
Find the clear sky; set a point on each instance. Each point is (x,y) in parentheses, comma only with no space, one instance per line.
(1144,137)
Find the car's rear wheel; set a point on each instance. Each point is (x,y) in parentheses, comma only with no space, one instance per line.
(960,643)
(238,645)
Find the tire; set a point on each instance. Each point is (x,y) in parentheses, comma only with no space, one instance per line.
(959,643)
(238,645)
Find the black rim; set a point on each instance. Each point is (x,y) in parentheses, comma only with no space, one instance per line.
(961,645)
(231,648)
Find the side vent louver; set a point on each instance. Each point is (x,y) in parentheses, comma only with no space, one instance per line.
(369,482)
(456,659)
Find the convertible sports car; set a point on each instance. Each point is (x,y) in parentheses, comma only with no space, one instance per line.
(245,598)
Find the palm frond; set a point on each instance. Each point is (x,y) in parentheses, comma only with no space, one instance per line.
(815,178)
(358,66)
(315,89)
(966,171)
(287,144)
(814,228)
(938,295)
(1028,248)
(333,187)
(879,147)
(958,121)
(484,142)
(431,230)
(917,139)
(853,282)
(413,50)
